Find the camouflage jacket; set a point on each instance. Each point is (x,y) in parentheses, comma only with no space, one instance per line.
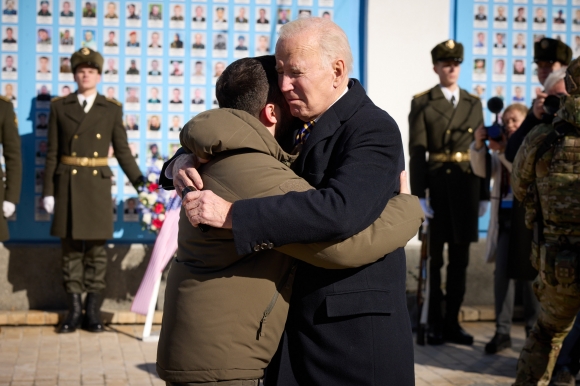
(555,176)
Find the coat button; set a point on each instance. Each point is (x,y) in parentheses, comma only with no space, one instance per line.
(76,136)
(74,171)
(74,153)
(270,245)
(257,247)
(470,130)
(98,136)
(96,154)
(264,246)
(448,132)
(95,172)
(448,171)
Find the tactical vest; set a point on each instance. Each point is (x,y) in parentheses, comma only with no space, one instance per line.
(558,183)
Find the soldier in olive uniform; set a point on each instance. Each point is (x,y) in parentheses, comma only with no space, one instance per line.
(442,123)
(77,185)
(10,139)
(545,177)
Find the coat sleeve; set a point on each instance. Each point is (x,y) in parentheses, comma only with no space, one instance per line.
(478,160)
(398,223)
(523,168)
(12,156)
(418,149)
(517,138)
(122,150)
(357,190)
(51,153)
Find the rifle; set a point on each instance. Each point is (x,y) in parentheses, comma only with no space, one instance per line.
(423,286)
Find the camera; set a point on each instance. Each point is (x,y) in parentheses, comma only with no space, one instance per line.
(495,131)
(551,105)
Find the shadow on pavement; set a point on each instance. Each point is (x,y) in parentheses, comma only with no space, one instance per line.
(148,367)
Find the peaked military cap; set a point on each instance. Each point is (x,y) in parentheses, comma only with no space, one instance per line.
(448,50)
(87,56)
(552,50)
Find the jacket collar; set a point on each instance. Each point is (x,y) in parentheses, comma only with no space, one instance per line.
(85,120)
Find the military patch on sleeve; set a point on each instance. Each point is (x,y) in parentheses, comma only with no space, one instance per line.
(114,101)
(295,185)
(56,98)
(421,94)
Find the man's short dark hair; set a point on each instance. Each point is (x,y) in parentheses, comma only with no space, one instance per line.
(248,84)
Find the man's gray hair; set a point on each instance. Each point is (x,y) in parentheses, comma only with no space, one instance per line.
(554,78)
(331,38)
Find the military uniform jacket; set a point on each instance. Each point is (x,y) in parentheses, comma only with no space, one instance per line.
(10,139)
(83,194)
(435,126)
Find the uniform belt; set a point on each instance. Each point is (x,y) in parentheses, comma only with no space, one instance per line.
(452,157)
(84,161)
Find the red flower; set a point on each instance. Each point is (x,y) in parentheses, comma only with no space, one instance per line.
(158,208)
(157,223)
(153,186)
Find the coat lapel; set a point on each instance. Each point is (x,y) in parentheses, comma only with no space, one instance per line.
(94,115)
(463,109)
(74,109)
(440,104)
(331,120)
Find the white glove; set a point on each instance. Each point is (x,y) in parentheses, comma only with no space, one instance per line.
(8,208)
(426,208)
(483,207)
(48,203)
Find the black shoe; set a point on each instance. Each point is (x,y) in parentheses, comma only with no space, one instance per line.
(457,335)
(75,315)
(435,338)
(498,343)
(562,376)
(93,321)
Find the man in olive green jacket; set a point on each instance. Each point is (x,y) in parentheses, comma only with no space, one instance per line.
(224,314)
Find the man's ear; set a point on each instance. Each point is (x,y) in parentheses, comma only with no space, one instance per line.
(340,72)
(268,114)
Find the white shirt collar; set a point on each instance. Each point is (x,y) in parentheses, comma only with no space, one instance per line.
(337,99)
(90,100)
(448,94)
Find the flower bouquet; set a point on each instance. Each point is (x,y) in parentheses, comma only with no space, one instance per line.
(153,201)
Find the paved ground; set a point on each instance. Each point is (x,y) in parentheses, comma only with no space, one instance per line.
(37,356)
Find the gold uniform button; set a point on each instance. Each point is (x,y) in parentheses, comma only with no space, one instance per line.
(98,136)
(76,136)
(96,154)
(95,172)
(74,171)
(448,132)
(470,130)
(74,153)
(448,171)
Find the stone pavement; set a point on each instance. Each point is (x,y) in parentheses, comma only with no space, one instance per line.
(37,356)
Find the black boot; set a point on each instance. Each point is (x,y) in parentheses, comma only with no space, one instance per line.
(498,343)
(92,322)
(75,315)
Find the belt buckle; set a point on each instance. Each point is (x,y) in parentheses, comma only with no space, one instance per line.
(458,156)
(84,161)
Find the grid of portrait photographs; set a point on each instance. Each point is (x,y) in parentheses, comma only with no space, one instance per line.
(161,61)
(499,42)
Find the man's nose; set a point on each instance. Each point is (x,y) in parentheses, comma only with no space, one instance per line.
(285,83)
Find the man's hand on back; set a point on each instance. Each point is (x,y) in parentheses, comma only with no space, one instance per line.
(184,172)
(205,207)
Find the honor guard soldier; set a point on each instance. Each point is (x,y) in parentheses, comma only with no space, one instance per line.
(77,185)
(546,178)
(442,123)
(10,140)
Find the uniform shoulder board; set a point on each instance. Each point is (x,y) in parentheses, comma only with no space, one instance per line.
(421,94)
(2,97)
(474,95)
(56,98)
(114,101)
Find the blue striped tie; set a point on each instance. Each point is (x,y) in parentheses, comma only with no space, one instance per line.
(303,133)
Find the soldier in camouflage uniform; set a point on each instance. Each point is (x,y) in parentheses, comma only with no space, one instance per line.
(546,177)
